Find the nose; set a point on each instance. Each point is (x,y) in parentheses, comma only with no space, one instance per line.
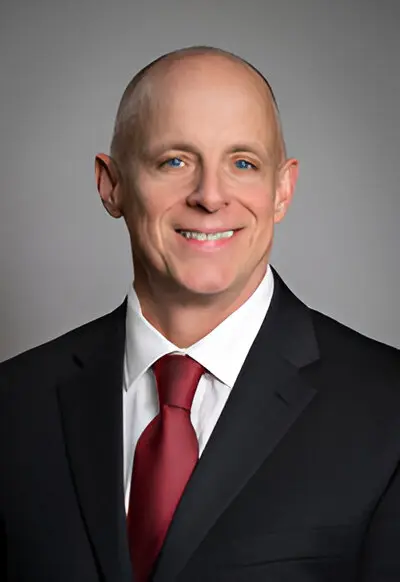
(209,193)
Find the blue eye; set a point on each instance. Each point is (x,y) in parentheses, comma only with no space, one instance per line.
(174,163)
(244,165)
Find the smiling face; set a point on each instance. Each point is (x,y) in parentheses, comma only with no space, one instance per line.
(207,183)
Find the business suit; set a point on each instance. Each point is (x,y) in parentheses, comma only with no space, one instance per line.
(299,480)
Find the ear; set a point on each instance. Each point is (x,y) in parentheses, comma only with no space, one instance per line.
(287,178)
(108,185)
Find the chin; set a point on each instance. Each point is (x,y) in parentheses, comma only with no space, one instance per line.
(205,284)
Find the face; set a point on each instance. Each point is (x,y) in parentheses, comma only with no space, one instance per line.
(207,185)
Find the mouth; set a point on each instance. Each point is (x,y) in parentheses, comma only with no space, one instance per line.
(199,235)
(199,241)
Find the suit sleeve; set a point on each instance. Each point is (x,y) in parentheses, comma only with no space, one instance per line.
(3,552)
(381,551)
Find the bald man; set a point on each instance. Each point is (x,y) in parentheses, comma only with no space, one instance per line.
(211,428)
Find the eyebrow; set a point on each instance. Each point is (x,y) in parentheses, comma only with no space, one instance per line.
(261,152)
(181,146)
(191,148)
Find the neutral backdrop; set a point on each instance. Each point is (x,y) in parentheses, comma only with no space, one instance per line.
(335,70)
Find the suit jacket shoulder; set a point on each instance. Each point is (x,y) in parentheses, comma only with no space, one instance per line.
(52,360)
(339,343)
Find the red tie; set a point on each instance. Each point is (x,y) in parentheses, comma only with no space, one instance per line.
(165,456)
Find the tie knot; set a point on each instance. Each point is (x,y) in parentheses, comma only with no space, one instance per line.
(177,378)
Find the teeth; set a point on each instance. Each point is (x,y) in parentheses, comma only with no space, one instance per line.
(203,236)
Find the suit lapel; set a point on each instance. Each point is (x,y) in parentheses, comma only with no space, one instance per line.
(91,410)
(268,396)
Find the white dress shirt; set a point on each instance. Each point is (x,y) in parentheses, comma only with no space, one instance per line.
(222,352)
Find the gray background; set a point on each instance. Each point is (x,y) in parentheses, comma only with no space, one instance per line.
(334,66)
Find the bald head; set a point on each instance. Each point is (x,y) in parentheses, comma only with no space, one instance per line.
(153,83)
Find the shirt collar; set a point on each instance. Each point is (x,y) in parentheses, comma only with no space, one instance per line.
(222,352)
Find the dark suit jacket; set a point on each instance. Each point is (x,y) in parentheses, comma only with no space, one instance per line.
(299,482)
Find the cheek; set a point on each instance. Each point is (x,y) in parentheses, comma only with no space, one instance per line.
(157,194)
(144,219)
(141,206)
(260,202)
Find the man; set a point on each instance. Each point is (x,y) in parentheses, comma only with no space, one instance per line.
(282,464)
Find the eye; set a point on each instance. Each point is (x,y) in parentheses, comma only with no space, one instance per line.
(174,163)
(244,165)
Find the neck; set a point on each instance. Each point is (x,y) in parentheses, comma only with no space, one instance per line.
(184,318)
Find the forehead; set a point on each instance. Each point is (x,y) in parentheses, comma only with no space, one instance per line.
(210,98)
